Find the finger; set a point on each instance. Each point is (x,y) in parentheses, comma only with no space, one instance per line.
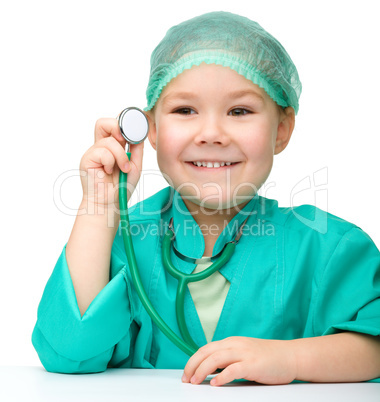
(197,358)
(117,151)
(232,372)
(102,157)
(218,359)
(107,127)
(137,151)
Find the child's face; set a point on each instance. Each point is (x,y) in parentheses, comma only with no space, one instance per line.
(210,113)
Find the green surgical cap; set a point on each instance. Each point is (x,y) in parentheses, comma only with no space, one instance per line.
(229,40)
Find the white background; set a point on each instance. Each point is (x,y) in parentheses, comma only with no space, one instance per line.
(66,64)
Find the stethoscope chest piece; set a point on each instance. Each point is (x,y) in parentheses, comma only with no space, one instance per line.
(133,125)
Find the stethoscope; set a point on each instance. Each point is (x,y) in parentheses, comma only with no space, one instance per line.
(134,128)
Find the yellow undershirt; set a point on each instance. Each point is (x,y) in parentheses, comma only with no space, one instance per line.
(208,297)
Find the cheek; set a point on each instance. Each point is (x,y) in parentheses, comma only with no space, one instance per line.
(171,139)
(259,146)
(163,136)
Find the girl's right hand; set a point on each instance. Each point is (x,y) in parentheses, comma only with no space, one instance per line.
(101,164)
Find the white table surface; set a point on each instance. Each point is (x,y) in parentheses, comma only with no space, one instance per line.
(36,384)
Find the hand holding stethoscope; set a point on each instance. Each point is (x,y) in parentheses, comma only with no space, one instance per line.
(101,164)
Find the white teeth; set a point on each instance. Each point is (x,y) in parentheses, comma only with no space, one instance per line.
(211,164)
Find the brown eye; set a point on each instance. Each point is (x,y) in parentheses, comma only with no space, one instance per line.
(185,111)
(239,112)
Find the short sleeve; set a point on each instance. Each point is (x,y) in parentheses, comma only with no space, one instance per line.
(348,295)
(67,342)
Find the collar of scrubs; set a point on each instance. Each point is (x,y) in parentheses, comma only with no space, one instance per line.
(188,235)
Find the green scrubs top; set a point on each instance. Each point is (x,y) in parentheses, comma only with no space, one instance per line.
(296,272)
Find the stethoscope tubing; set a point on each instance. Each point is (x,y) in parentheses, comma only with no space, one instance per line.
(185,279)
(187,347)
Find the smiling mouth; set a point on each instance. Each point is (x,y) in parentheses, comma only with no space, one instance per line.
(212,165)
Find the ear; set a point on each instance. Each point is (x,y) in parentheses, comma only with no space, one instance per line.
(152,133)
(285,129)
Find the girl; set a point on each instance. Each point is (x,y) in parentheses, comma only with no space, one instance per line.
(300,297)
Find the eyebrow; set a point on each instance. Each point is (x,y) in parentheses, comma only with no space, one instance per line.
(192,95)
(179,95)
(245,92)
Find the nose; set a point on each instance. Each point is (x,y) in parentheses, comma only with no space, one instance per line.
(211,132)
